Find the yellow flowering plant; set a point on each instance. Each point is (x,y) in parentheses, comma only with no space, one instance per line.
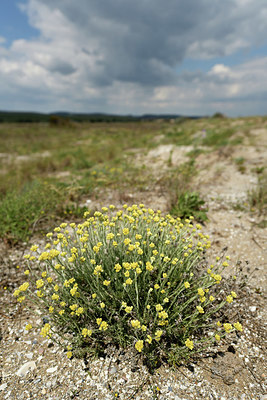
(130,277)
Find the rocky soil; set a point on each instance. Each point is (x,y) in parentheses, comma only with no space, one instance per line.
(34,368)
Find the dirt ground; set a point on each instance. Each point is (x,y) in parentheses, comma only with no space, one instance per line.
(236,372)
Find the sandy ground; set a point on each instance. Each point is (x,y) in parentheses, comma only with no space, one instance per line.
(238,370)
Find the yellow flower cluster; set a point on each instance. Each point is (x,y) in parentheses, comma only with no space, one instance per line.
(45,331)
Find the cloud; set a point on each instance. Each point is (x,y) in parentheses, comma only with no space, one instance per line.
(123,56)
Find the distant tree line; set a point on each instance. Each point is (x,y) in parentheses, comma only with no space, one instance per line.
(65,119)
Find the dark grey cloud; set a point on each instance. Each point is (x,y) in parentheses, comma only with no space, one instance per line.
(142,41)
(62,67)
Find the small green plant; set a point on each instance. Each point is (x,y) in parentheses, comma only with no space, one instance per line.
(239,161)
(128,278)
(190,203)
(20,210)
(257,197)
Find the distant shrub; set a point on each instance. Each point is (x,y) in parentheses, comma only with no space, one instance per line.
(218,115)
(56,120)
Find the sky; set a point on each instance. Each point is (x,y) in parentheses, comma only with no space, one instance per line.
(189,57)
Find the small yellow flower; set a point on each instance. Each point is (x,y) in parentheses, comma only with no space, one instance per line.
(128,309)
(79,311)
(45,331)
(102,305)
(69,354)
(135,323)
(158,334)
(27,272)
(229,299)
(127,241)
(187,285)
(212,298)
(227,327)
(103,326)
(86,332)
(51,309)
(148,307)
(238,326)
(189,343)
(149,266)
(139,345)
(55,296)
(106,283)
(201,292)
(166,300)
(144,328)
(149,339)
(159,307)
(156,286)
(94,295)
(234,295)
(128,281)
(200,309)
(28,327)
(218,323)
(217,337)
(24,286)
(39,283)
(39,293)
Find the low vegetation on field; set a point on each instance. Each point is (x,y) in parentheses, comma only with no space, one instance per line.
(50,170)
(172,273)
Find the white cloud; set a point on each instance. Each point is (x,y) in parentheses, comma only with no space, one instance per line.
(122,57)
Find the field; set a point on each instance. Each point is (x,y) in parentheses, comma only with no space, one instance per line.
(211,168)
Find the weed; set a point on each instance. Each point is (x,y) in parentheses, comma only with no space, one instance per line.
(239,161)
(190,203)
(257,197)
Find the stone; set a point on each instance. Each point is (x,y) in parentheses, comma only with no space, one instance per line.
(113,370)
(3,386)
(25,368)
(51,370)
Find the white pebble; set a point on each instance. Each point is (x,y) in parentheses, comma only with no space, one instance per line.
(51,370)
(25,368)
(3,387)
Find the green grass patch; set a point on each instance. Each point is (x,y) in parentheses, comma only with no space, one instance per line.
(218,138)
(21,210)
